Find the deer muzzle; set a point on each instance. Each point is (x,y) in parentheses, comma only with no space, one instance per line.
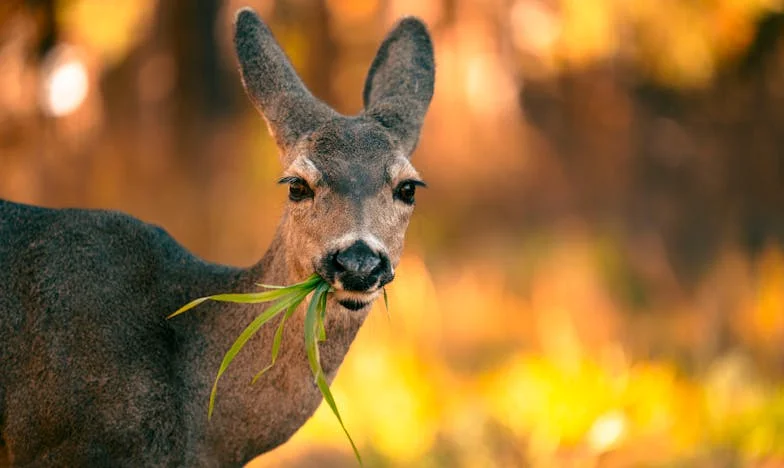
(358,271)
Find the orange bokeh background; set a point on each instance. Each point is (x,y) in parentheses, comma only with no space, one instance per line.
(595,275)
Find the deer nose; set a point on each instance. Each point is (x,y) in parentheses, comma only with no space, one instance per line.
(358,267)
(358,259)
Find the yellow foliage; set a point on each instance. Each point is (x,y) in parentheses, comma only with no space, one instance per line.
(109,28)
(676,42)
(536,396)
(404,395)
(589,30)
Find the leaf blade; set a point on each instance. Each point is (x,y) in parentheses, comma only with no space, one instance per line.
(313,326)
(276,341)
(244,337)
(187,307)
(386,304)
(321,382)
(311,330)
(254,297)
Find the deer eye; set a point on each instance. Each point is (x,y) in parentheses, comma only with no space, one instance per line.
(406,191)
(298,189)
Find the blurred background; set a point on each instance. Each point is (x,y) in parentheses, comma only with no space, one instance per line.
(595,277)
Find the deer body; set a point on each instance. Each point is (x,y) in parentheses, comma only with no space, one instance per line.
(61,364)
(92,372)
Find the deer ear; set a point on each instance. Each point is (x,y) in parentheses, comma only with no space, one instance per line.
(399,85)
(272,84)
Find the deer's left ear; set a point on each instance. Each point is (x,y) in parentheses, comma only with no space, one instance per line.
(400,82)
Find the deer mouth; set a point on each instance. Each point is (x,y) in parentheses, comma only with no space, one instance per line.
(357,275)
(355,300)
(352,304)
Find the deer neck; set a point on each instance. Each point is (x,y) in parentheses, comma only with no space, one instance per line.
(256,418)
(278,267)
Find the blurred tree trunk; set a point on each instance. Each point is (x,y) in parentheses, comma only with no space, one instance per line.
(202,82)
(201,91)
(45,13)
(204,89)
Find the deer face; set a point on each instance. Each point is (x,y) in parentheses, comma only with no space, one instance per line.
(351,185)
(351,194)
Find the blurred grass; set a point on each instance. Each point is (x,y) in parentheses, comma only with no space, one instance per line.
(412,402)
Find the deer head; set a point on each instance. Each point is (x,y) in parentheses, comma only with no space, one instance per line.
(351,185)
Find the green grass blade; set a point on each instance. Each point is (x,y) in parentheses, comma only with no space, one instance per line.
(321,382)
(312,327)
(313,280)
(322,331)
(322,307)
(255,297)
(275,349)
(242,298)
(386,304)
(285,297)
(252,297)
(246,335)
(309,283)
(322,312)
(276,341)
(188,306)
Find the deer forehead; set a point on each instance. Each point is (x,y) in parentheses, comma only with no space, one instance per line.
(351,158)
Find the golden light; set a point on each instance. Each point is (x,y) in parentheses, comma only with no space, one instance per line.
(607,431)
(535,27)
(65,83)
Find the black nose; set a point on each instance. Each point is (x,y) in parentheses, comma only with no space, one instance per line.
(358,267)
(359,259)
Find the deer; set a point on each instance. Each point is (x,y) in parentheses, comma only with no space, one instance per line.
(93,373)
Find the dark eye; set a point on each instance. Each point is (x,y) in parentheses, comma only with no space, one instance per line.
(406,191)
(298,188)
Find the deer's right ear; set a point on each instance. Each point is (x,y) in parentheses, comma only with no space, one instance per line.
(272,84)
(400,82)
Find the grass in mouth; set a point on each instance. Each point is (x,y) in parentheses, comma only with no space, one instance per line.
(285,300)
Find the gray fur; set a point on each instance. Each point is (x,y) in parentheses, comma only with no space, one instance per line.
(400,82)
(273,85)
(93,374)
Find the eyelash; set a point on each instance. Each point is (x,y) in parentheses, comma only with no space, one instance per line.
(299,189)
(412,184)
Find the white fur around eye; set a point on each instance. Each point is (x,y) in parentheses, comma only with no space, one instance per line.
(401,169)
(305,169)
